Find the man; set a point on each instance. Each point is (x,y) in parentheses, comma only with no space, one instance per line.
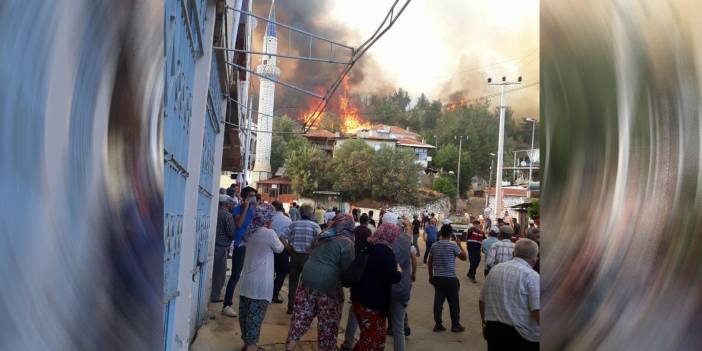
(319,213)
(474,243)
(502,250)
(294,212)
(300,240)
(509,302)
(431,235)
(487,244)
(243,215)
(223,239)
(415,233)
(442,275)
(281,261)
(535,234)
(329,216)
(360,235)
(371,221)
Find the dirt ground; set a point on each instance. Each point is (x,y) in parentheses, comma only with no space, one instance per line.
(222,333)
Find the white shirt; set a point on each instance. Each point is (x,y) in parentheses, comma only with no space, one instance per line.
(257,274)
(329,216)
(500,251)
(510,293)
(281,224)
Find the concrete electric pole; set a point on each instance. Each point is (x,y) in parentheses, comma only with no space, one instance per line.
(501,141)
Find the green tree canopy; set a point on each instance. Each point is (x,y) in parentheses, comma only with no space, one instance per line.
(284,134)
(395,175)
(445,185)
(352,162)
(308,167)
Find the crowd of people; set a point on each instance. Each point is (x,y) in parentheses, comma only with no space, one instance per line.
(322,252)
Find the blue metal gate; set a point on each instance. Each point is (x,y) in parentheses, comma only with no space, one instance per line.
(204,199)
(183,24)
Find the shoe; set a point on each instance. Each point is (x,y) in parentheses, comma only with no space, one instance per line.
(277,301)
(439,328)
(289,311)
(407,332)
(229,311)
(458,328)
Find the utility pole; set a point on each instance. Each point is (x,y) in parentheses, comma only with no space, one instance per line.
(501,141)
(458,167)
(531,153)
(487,195)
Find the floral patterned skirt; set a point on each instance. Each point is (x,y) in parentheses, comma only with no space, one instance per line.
(310,303)
(373,328)
(251,315)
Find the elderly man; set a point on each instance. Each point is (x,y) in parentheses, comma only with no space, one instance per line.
(223,239)
(502,250)
(301,237)
(281,226)
(509,302)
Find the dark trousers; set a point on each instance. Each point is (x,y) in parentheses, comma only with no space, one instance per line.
(219,271)
(415,241)
(281,265)
(446,288)
(297,262)
(501,336)
(426,252)
(473,258)
(237,265)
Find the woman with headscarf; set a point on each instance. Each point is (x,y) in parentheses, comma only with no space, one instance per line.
(320,293)
(256,286)
(371,296)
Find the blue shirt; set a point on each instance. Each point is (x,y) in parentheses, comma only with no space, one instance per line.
(431,232)
(240,231)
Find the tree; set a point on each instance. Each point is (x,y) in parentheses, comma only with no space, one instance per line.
(284,133)
(445,185)
(395,175)
(351,165)
(446,158)
(308,167)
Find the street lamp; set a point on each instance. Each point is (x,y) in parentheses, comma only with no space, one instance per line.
(501,139)
(531,153)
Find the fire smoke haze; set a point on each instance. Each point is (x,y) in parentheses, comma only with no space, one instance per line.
(445,49)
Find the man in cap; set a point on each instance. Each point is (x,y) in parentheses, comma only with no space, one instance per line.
(502,250)
(223,239)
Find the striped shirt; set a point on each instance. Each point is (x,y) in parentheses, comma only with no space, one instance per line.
(510,293)
(443,253)
(500,251)
(302,234)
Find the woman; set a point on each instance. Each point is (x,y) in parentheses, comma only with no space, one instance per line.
(371,296)
(319,293)
(398,325)
(257,275)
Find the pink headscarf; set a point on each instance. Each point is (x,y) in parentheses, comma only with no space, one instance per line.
(385,234)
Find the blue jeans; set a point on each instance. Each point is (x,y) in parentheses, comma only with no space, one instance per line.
(237,265)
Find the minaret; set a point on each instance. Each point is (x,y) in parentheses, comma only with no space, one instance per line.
(266,98)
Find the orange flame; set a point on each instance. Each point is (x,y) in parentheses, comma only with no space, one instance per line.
(452,106)
(347,113)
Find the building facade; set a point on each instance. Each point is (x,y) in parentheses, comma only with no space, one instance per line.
(195,109)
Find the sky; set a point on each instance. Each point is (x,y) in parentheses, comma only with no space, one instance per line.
(438,47)
(445,49)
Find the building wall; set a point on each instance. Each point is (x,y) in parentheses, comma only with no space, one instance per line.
(193,134)
(375,144)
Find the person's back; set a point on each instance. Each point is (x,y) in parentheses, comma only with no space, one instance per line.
(323,268)
(374,288)
(401,248)
(510,302)
(294,212)
(257,273)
